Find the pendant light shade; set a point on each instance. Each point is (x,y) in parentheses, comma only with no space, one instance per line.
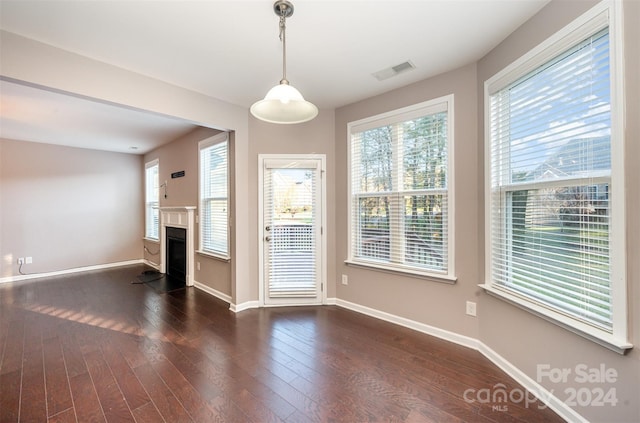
(283,103)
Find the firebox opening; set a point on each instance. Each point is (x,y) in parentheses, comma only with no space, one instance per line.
(177,253)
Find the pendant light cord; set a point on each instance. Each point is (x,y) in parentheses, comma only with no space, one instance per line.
(283,38)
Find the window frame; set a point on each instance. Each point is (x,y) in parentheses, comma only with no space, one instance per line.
(151,205)
(203,145)
(429,107)
(605,14)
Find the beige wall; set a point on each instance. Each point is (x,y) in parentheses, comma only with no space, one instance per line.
(182,154)
(68,207)
(427,301)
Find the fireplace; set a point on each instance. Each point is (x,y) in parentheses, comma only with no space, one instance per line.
(177,245)
(177,253)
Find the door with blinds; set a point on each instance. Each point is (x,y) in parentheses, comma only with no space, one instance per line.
(291,229)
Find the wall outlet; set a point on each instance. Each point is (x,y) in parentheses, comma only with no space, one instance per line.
(345,280)
(21,260)
(198,265)
(28,260)
(471,308)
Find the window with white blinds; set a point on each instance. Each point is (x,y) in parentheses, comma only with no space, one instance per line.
(152,213)
(214,201)
(551,223)
(400,188)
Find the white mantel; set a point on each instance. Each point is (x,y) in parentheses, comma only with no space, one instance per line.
(178,217)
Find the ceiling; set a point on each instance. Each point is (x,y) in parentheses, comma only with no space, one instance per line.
(230,50)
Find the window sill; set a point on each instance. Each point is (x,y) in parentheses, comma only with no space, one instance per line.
(219,257)
(436,277)
(157,241)
(607,340)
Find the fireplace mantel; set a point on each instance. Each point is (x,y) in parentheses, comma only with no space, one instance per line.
(178,217)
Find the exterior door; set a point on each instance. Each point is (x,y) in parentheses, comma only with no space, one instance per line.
(291,230)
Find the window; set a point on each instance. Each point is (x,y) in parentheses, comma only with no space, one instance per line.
(401,191)
(556,200)
(214,203)
(152,214)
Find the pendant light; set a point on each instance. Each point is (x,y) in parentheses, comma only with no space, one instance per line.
(283,103)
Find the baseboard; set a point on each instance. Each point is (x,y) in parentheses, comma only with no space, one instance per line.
(237,308)
(152,264)
(211,291)
(17,278)
(411,324)
(544,395)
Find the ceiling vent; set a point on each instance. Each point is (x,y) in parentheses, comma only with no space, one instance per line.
(394,70)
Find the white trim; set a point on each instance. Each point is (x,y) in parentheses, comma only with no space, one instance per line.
(214,292)
(540,392)
(151,264)
(178,217)
(618,345)
(543,394)
(618,254)
(18,278)
(411,324)
(436,277)
(237,308)
(213,256)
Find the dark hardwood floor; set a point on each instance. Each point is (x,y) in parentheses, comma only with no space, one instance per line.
(93,347)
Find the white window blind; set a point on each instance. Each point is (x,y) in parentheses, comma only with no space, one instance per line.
(290,212)
(400,192)
(550,204)
(214,196)
(152,214)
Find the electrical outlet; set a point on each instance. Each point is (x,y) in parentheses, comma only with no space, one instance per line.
(471,308)
(21,260)
(345,280)
(28,260)
(198,265)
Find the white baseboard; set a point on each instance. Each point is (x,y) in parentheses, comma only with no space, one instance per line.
(152,264)
(411,324)
(211,291)
(544,395)
(69,271)
(237,308)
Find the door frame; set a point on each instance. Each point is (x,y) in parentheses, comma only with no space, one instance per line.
(322,158)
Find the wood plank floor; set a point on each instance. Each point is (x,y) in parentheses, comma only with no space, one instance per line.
(93,347)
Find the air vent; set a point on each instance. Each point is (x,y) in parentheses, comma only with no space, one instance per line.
(393,71)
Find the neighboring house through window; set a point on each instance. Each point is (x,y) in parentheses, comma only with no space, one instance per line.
(152,214)
(555,182)
(214,201)
(401,190)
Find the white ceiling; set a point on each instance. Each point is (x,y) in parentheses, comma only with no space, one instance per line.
(230,50)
